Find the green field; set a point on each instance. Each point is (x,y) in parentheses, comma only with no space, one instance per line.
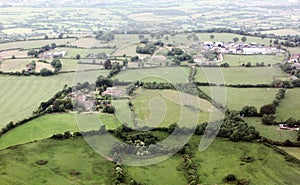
(289,106)
(237,98)
(213,164)
(162,108)
(223,158)
(170,74)
(123,112)
(72,65)
(45,126)
(294,151)
(283,32)
(20,96)
(72,52)
(18,165)
(241,75)
(239,60)
(271,132)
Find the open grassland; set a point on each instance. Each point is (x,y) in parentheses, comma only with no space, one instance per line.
(239,60)
(17,30)
(289,106)
(45,126)
(123,112)
(72,65)
(33,43)
(294,50)
(271,132)
(223,158)
(241,75)
(18,165)
(169,74)
(237,98)
(162,108)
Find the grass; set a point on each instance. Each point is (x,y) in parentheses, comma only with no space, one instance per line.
(238,60)
(72,65)
(45,126)
(282,32)
(294,50)
(13,65)
(292,151)
(237,98)
(240,75)
(19,164)
(162,108)
(223,158)
(271,132)
(123,112)
(289,106)
(72,52)
(170,74)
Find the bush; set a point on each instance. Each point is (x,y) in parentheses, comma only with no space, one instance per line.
(268,109)
(268,119)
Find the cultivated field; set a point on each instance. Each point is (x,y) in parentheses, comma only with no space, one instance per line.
(170,74)
(242,75)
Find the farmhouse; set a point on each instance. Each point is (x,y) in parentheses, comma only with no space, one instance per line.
(286,127)
(113,91)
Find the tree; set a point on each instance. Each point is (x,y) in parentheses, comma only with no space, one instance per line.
(249,111)
(244,39)
(56,63)
(141,36)
(211,37)
(46,72)
(53,46)
(13,57)
(46,37)
(248,64)
(268,109)
(235,39)
(78,57)
(107,64)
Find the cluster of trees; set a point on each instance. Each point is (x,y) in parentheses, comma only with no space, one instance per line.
(56,64)
(115,69)
(224,65)
(232,127)
(179,56)
(105,36)
(66,135)
(147,49)
(35,53)
(211,55)
(46,72)
(108,109)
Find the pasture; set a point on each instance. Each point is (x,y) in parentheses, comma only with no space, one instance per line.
(170,74)
(72,52)
(240,75)
(239,60)
(237,98)
(19,164)
(13,65)
(289,106)
(282,32)
(272,132)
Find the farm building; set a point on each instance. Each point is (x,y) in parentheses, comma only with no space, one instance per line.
(113,91)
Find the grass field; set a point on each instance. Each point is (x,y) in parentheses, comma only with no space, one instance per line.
(45,126)
(170,74)
(294,50)
(123,112)
(292,151)
(241,75)
(283,32)
(72,52)
(162,108)
(10,53)
(289,106)
(72,65)
(272,132)
(223,158)
(18,165)
(13,65)
(239,60)
(237,98)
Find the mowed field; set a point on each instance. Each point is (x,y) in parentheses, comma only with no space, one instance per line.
(45,126)
(239,60)
(18,165)
(169,74)
(289,106)
(13,65)
(20,96)
(161,108)
(237,98)
(240,75)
